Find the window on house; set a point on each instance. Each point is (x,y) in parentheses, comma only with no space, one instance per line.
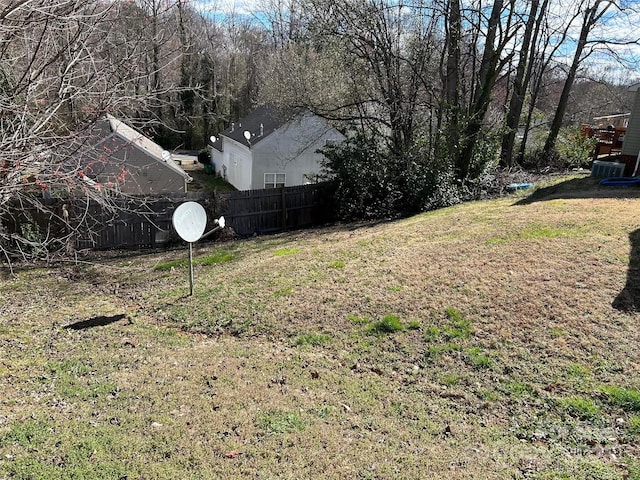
(274,180)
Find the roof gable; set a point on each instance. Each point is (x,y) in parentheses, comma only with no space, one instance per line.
(138,140)
(260,123)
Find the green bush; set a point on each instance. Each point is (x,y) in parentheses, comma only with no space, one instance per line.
(573,148)
(483,168)
(368,182)
(364,182)
(572,151)
(428,180)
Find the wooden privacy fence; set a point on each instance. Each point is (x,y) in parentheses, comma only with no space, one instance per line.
(247,213)
(130,223)
(146,222)
(274,209)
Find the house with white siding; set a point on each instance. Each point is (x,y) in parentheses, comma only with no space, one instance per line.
(271,148)
(631,144)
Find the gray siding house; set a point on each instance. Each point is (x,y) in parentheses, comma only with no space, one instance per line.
(269,149)
(119,158)
(631,144)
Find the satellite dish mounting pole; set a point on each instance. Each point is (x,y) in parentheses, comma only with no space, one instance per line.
(189,221)
(190,268)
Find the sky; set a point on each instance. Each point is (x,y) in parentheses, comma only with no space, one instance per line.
(617,26)
(227,6)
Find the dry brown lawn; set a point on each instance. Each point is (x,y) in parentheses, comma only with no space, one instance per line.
(473,342)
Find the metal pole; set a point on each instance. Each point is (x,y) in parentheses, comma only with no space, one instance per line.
(190,268)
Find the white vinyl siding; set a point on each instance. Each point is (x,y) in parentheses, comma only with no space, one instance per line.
(631,144)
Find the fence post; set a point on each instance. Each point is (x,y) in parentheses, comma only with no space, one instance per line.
(283,199)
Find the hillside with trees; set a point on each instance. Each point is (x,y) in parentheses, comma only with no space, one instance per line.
(435,95)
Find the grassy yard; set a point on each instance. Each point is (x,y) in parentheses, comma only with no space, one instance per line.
(206,182)
(473,342)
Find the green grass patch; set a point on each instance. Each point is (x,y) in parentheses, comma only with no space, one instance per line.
(626,398)
(459,327)
(73,389)
(414,325)
(71,367)
(456,328)
(537,231)
(215,258)
(73,379)
(314,339)
(496,241)
(283,292)
(285,251)
(519,389)
(358,320)
(434,351)
(432,334)
(337,264)
(28,433)
(477,358)
(450,337)
(450,379)
(580,407)
(279,421)
(171,265)
(388,324)
(488,395)
(633,466)
(212,259)
(633,426)
(578,370)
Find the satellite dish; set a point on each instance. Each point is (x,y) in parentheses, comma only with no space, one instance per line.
(189,220)
(166,155)
(247,135)
(220,221)
(213,138)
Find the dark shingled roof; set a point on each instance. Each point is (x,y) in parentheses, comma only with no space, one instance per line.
(260,123)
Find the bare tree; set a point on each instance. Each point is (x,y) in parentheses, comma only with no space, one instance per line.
(592,12)
(376,56)
(522,77)
(496,54)
(547,41)
(63,64)
(451,76)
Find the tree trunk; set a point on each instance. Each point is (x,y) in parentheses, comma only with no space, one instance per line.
(482,94)
(452,78)
(520,84)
